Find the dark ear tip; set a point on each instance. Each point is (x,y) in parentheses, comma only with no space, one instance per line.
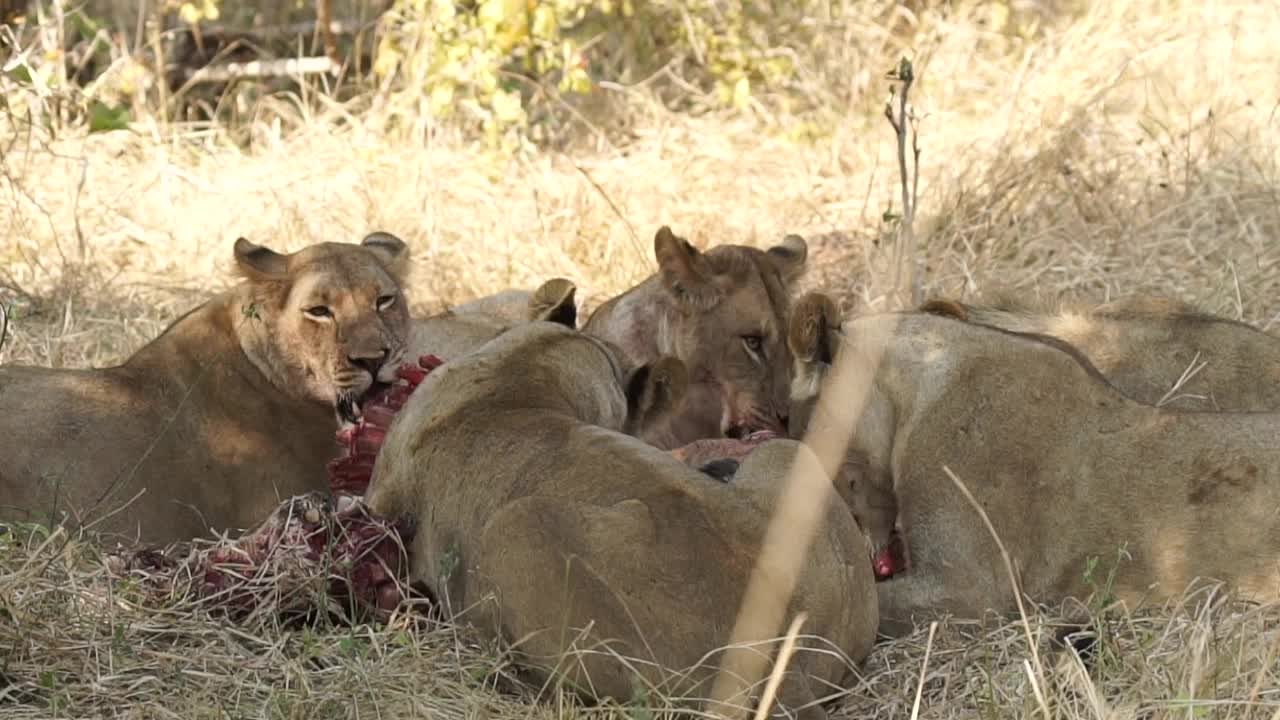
(817,304)
(722,469)
(243,246)
(553,300)
(791,245)
(946,308)
(814,315)
(666,239)
(383,238)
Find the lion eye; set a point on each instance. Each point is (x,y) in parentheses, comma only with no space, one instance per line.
(385,302)
(319,312)
(754,343)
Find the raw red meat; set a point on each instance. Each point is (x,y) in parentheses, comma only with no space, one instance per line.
(313,548)
(351,473)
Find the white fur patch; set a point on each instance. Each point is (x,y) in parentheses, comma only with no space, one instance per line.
(805,383)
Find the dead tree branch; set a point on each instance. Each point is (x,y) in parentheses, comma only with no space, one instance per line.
(324,18)
(4,324)
(261,68)
(907,268)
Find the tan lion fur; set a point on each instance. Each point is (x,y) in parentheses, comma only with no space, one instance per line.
(510,305)
(226,413)
(1066,466)
(1145,344)
(452,333)
(538,516)
(723,312)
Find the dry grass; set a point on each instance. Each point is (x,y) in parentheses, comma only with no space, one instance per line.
(1128,147)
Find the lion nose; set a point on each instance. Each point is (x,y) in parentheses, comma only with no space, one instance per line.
(371,362)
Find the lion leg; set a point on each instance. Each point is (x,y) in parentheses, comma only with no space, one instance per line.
(920,595)
(534,556)
(764,475)
(797,697)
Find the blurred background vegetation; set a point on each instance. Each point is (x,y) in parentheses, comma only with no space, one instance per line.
(510,72)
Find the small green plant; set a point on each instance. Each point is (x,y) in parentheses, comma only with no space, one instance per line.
(59,697)
(639,707)
(1103,593)
(449,562)
(352,646)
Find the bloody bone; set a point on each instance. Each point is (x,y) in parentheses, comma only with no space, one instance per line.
(351,473)
(303,549)
(312,547)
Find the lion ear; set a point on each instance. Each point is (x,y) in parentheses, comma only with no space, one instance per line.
(946,308)
(790,257)
(391,250)
(654,392)
(553,301)
(260,263)
(685,271)
(811,336)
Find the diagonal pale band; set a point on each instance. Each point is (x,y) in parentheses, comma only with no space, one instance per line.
(801,508)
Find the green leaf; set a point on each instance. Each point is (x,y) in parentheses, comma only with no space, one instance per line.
(104,117)
(48,679)
(21,74)
(86,27)
(348,646)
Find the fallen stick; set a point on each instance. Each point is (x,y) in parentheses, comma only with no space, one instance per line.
(260,68)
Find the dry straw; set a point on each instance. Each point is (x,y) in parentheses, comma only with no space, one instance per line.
(1123,146)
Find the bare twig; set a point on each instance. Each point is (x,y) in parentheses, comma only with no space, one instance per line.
(903,122)
(262,68)
(324,18)
(1191,371)
(4,324)
(635,239)
(924,670)
(779,668)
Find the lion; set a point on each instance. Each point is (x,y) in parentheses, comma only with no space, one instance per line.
(1069,470)
(723,312)
(227,412)
(1155,350)
(510,305)
(458,331)
(606,561)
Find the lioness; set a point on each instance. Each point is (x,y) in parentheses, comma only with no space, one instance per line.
(539,512)
(455,332)
(227,412)
(1066,467)
(724,314)
(509,305)
(1145,345)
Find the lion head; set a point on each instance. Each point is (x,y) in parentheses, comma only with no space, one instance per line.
(723,314)
(729,327)
(329,321)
